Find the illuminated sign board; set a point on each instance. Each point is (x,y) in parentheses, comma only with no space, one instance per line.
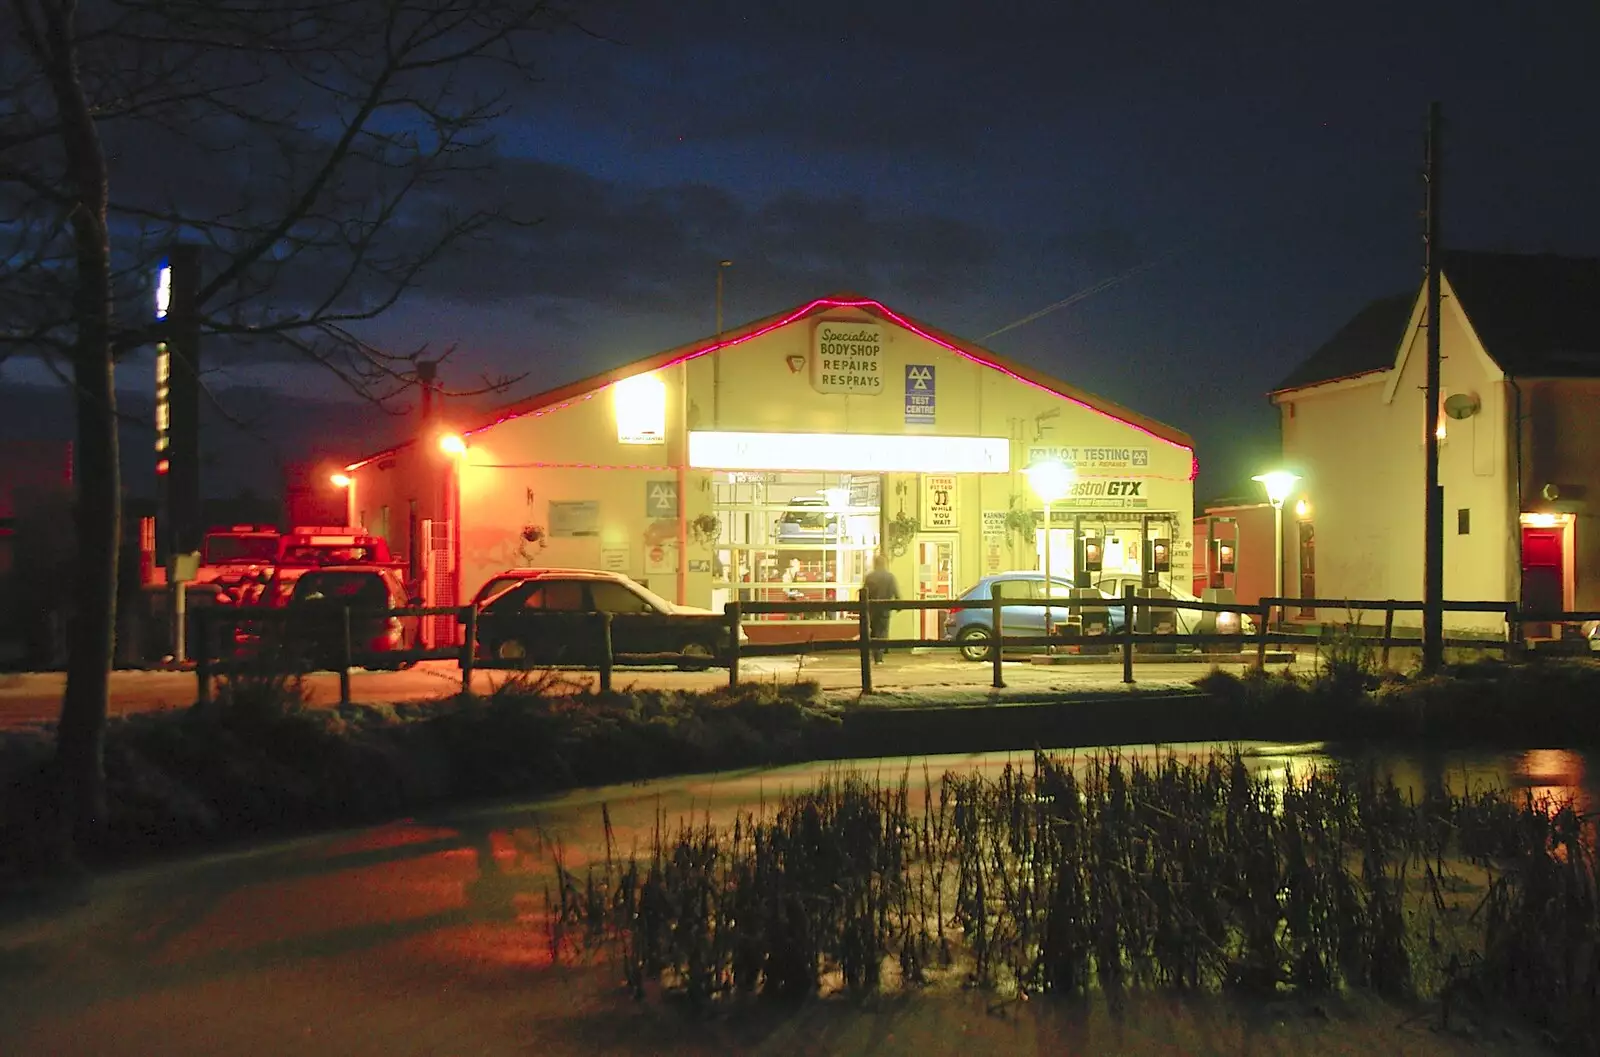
(849,452)
(163,397)
(163,288)
(641,406)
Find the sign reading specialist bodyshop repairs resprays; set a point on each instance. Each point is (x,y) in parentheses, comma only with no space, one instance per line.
(848,358)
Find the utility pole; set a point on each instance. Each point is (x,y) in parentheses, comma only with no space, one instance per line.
(1433,509)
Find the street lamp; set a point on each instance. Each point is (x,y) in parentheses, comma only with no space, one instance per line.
(1280,486)
(1052,481)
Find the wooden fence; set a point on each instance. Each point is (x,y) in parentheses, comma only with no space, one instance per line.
(593,630)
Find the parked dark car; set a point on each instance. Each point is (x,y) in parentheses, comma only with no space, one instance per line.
(551,618)
(310,626)
(970,620)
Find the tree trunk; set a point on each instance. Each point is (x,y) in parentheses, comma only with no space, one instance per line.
(80,737)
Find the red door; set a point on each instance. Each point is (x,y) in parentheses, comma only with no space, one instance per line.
(1542,570)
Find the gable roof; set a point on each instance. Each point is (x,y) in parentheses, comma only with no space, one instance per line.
(554,399)
(1365,344)
(1537,315)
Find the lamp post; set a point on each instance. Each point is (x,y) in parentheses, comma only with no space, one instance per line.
(1051,480)
(1280,486)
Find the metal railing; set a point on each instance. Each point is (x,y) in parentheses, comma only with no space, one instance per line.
(1087,626)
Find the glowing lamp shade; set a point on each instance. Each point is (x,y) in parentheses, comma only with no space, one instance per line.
(641,406)
(1302,509)
(340,480)
(1279,485)
(452,444)
(1051,480)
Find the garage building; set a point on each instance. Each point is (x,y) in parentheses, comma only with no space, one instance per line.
(774,461)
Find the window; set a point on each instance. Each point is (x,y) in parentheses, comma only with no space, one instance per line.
(793,536)
(612,597)
(1464,522)
(1018,589)
(563,595)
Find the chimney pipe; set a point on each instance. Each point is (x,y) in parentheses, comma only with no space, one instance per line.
(427,378)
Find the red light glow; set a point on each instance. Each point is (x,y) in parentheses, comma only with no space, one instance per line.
(162,466)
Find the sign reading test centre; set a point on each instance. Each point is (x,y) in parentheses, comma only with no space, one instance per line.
(919,394)
(848,359)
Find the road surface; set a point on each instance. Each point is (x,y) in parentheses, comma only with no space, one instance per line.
(34,698)
(426,937)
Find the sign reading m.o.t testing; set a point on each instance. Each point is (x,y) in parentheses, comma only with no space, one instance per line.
(848,358)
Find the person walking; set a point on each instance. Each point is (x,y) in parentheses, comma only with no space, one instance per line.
(880,584)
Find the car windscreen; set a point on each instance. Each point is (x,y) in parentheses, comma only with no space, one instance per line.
(224,550)
(356,590)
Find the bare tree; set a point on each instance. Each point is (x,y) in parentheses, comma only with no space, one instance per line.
(318,150)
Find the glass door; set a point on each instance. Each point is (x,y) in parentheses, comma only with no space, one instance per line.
(936,578)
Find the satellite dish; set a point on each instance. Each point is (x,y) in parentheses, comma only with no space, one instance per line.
(1461,405)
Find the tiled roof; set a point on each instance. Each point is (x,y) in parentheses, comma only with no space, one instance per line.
(1367,343)
(1538,315)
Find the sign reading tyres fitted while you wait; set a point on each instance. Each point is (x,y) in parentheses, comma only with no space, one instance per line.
(938,503)
(848,358)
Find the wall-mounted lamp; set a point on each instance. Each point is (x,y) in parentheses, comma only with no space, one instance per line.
(340,480)
(452,444)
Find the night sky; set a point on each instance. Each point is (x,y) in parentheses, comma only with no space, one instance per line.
(1249,171)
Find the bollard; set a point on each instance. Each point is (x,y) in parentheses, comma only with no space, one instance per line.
(1388,631)
(995,607)
(469,648)
(1262,618)
(1127,633)
(605,653)
(735,621)
(344,667)
(866,645)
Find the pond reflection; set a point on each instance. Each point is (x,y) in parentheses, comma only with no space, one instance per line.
(1556,775)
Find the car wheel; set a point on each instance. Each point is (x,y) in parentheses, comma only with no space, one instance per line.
(974,643)
(511,650)
(697,657)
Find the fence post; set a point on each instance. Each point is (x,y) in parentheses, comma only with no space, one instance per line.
(469,648)
(1263,617)
(866,645)
(1388,630)
(202,660)
(1513,631)
(735,622)
(605,652)
(995,609)
(344,667)
(1127,632)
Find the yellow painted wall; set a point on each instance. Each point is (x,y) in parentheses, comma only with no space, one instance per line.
(1362,458)
(572,453)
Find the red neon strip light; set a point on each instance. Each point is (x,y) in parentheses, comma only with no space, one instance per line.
(567,466)
(893,316)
